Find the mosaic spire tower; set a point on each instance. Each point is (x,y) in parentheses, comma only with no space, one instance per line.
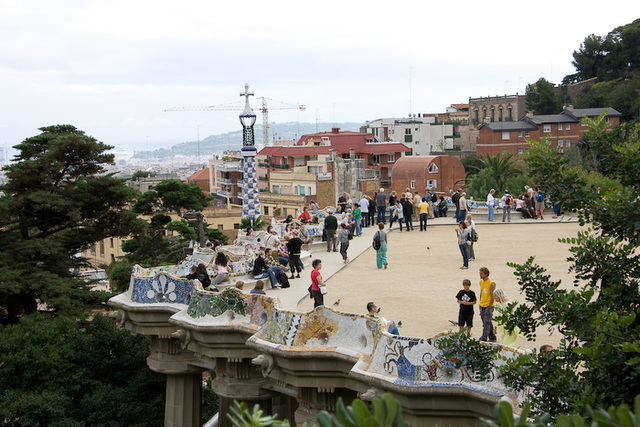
(250,203)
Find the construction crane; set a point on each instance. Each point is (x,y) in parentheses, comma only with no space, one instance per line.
(264,109)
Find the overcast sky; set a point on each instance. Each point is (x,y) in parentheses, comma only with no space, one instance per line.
(111,68)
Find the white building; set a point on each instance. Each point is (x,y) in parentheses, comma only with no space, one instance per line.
(424,134)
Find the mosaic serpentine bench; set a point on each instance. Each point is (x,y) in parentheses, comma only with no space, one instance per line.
(394,360)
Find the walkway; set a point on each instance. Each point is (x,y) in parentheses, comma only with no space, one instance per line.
(423,278)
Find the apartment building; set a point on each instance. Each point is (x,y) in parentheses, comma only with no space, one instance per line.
(562,130)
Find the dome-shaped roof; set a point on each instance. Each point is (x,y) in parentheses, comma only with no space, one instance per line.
(411,166)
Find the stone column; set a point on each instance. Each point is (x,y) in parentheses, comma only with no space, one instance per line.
(312,400)
(183,400)
(238,379)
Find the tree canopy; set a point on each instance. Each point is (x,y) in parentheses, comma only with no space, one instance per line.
(598,360)
(172,195)
(59,201)
(60,371)
(610,57)
(543,98)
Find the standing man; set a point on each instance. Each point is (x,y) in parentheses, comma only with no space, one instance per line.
(424,212)
(373,210)
(364,210)
(455,199)
(462,203)
(430,200)
(407,210)
(416,203)
(381,204)
(507,202)
(487,286)
(330,226)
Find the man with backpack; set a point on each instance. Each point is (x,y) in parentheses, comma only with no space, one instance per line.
(507,202)
(539,203)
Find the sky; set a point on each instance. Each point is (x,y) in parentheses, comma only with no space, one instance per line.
(112,68)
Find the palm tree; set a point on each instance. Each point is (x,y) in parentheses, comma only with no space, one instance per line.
(503,168)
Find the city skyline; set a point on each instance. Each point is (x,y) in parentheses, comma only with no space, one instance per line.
(112,69)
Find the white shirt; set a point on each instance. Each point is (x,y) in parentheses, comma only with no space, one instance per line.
(490,199)
(364,205)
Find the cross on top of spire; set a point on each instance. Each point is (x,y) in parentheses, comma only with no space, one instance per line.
(247,94)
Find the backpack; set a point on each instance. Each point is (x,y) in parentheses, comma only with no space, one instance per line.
(474,235)
(376,241)
(539,197)
(434,198)
(508,200)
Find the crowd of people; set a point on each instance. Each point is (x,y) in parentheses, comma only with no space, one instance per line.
(280,258)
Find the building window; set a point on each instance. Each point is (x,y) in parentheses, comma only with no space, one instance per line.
(519,134)
(520,150)
(433,168)
(432,183)
(276,189)
(510,115)
(546,128)
(500,114)
(220,227)
(266,210)
(284,212)
(302,190)
(493,113)
(408,138)
(506,135)
(376,159)
(476,111)
(526,134)
(504,151)
(413,184)
(407,131)
(559,126)
(102,247)
(392,158)
(568,127)
(560,151)
(346,156)
(560,143)
(568,144)
(111,242)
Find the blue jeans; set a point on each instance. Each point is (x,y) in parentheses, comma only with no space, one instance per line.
(273,271)
(490,215)
(423,221)
(393,329)
(358,227)
(382,211)
(465,254)
(408,221)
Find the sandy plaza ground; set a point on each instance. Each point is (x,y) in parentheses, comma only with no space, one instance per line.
(424,274)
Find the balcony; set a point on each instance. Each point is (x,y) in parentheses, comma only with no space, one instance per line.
(226,181)
(230,167)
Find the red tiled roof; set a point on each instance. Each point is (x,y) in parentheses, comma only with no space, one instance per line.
(341,142)
(201,174)
(384,147)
